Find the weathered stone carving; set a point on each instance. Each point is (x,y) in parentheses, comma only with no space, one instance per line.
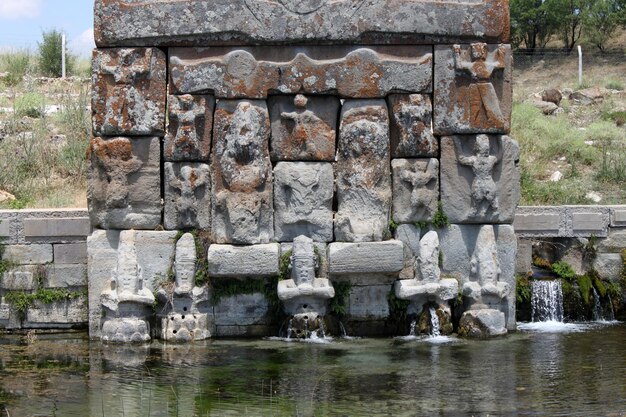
(303,128)
(411,130)
(126,302)
(242,211)
(303,293)
(187,196)
(124,183)
(124,22)
(241,261)
(303,200)
(184,322)
(255,72)
(128,96)
(415,189)
(188,136)
(363,173)
(479,178)
(472,89)
(428,286)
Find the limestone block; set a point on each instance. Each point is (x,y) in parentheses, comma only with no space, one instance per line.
(368,302)
(591,223)
(242,261)
(128,93)
(126,330)
(124,183)
(28,254)
(409,235)
(366,257)
(614,243)
(102,260)
(472,90)
(22,278)
(303,201)
(177,327)
(242,206)
(481,324)
(120,22)
(66,275)
(241,310)
(618,217)
(187,196)
(68,312)
(5,228)
(609,265)
(415,189)
(537,223)
(5,311)
(362,173)
(188,137)
(303,128)
(524,261)
(254,72)
(155,251)
(70,253)
(411,126)
(480,178)
(55,228)
(253,330)
(458,243)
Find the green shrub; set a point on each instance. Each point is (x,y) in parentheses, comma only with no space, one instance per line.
(50,51)
(17,65)
(30,104)
(615,85)
(563,270)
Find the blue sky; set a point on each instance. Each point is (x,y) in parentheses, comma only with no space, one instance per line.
(22,22)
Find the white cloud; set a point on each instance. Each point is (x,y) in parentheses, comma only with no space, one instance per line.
(15,9)
(83,44)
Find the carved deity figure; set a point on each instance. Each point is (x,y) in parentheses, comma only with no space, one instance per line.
(189,181)
(308,129)
(484,192)
(411,115)
(420,195)
(116,158)
(129,68)
(187,112)
(484,104)
(185,264)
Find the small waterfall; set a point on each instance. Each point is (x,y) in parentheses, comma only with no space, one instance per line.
(611,311)
(547,301)
(289,328)
(412,329)
(434,323)
(322,330)
(597,313)
(343,330)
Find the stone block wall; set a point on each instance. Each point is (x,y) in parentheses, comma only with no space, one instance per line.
(45,254)
(255,122)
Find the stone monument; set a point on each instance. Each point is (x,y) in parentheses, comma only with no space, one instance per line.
(267,125)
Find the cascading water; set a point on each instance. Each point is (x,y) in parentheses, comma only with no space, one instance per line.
(547,301)
(597,313)
(412,329)
(434,323)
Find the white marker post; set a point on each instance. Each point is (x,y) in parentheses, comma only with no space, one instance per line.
(63,55)
(580,65)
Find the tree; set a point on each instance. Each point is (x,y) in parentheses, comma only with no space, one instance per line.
(569,15)
(50,51)
(532,24)
(601,20)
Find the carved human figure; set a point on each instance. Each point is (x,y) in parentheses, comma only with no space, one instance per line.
(243,165)
(484,104)
(185,264)
(187,111)
(420,195)
(116,159)
(427,261)
(309,130)
(484,193)
(187,183)
(130,66)
(411,134)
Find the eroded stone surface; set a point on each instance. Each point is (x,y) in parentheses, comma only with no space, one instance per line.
(254,72)
(124,183)
(303,200)
(479,178)
(363,173)
(415,189)
(187,196)
(481,324)
(188,135)
(411,126)
(242,208)
(303,128)
(123,22)
(366,257)
(181,327)
(129,88)
(472,89)
(240,261)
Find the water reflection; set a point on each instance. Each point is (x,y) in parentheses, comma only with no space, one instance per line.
(575,373)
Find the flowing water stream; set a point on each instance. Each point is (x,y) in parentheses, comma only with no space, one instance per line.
(568,373)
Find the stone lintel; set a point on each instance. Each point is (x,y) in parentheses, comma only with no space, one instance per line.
(366,257)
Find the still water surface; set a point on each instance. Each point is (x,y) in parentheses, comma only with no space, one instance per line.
(576,370)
